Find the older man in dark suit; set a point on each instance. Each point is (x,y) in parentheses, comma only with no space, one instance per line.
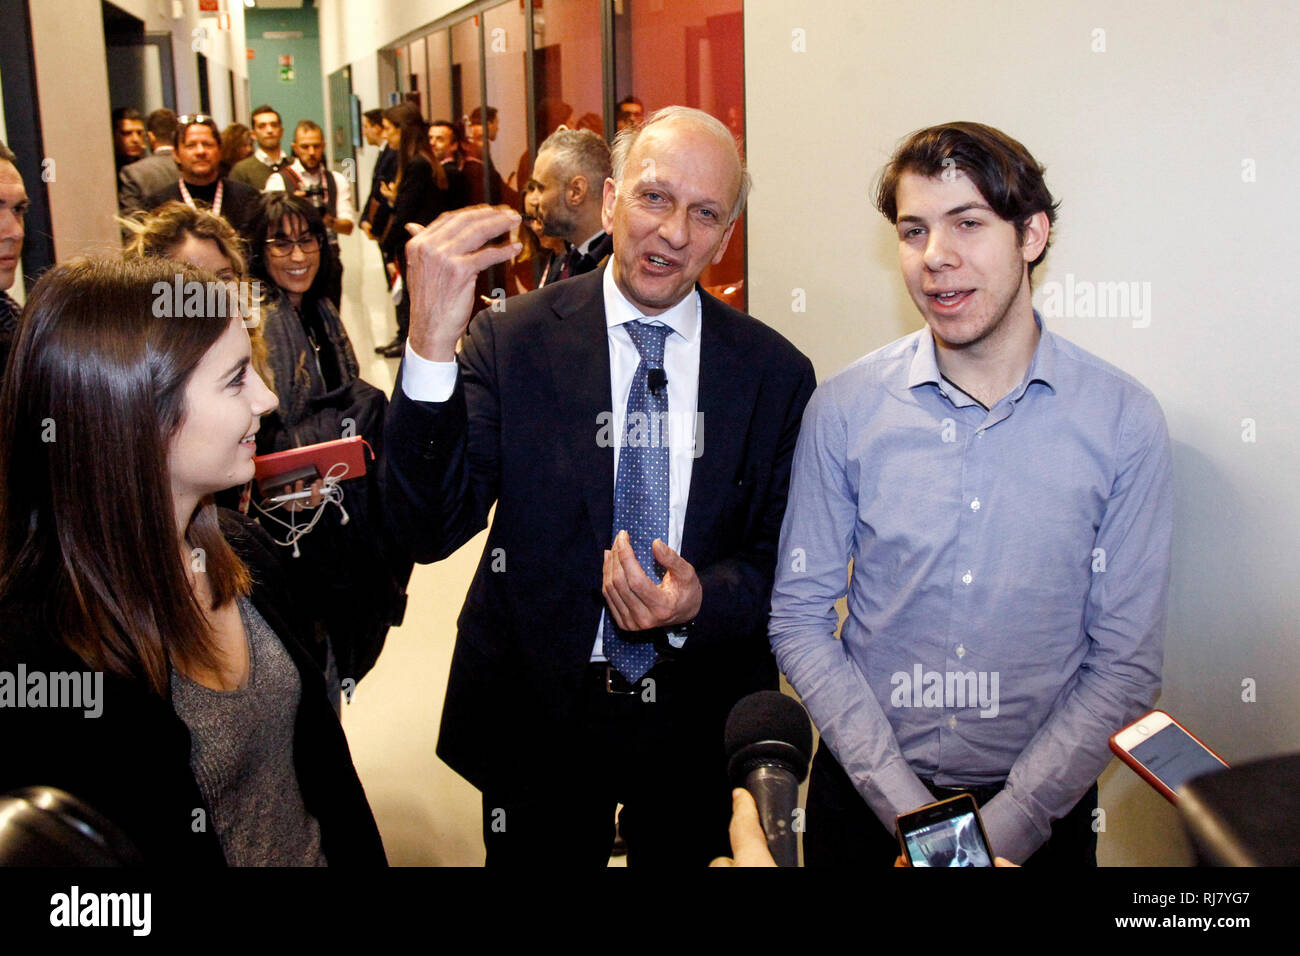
(635,435)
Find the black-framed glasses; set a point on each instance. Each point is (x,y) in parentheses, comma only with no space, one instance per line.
(283,245)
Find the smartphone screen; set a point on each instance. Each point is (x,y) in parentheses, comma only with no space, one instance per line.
(956,841)
(1172,755)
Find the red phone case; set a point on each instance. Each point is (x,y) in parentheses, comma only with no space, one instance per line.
(1142,771)
(324,455)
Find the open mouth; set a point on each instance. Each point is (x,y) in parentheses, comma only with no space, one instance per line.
(950,300)
(660,262)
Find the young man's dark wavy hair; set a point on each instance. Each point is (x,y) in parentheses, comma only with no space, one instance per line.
(1007,176)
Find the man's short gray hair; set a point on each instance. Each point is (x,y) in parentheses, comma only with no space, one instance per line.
(579,152)
(627,138)
(7,154)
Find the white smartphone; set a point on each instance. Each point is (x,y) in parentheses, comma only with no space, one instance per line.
(1164,752)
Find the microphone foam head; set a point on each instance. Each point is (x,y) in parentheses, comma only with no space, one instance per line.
(769,724)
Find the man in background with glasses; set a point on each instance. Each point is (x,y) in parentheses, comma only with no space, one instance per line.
(198,154)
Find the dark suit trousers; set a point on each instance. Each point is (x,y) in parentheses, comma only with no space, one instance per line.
(843,831)
(654,756)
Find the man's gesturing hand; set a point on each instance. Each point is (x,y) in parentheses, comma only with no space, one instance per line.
(636,602)
(443,260)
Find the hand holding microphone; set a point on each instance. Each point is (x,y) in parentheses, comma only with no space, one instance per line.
(769,746)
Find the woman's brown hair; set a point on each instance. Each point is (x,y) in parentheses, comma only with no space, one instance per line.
(161,231)
(414,142)
(233,139)
(89,547)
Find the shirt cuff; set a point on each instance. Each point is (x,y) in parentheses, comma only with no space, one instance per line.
(1012,834)
(426,381)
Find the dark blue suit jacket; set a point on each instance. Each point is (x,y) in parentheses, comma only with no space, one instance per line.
(520,432)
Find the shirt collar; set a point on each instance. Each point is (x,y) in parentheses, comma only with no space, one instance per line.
(265,158)
(683,318)
(924,369)
(301,170)
(585,248)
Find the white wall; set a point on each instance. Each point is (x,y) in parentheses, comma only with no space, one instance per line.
(75,106)
(75,126)
(351,30)
(1145,144)
(191,34)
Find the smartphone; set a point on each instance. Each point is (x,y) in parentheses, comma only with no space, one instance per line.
(1164,753)
(341,458)
(947,833)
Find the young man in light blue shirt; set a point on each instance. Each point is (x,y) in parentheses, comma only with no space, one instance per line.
(1006,501)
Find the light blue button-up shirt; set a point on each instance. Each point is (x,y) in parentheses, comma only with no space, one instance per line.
(1010,569)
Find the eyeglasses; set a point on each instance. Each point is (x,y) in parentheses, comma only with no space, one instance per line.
(190,119)
(283,245)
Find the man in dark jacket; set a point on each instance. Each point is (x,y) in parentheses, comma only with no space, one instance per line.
(152,173)
(13,210)
(198,153)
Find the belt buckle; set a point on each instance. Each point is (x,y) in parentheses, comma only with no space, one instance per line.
(611,673)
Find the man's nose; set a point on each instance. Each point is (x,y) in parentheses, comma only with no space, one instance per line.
(11,225)
(676,227)
(939,250)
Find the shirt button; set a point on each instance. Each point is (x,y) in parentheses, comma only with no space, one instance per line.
(980,433)
(961,650)
(952,723)
(975,505)
(967,578)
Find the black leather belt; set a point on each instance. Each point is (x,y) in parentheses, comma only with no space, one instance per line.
(613,681)
(982,794)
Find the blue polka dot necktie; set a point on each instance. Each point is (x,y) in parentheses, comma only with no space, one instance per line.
(641,486)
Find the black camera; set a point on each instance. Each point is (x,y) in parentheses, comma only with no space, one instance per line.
(316,196)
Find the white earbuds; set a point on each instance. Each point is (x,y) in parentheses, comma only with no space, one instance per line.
(331,494)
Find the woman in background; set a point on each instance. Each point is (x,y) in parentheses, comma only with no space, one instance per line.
(206,241)
(359,570)
(418,195)
(309,354)
(236,144)
(211,738)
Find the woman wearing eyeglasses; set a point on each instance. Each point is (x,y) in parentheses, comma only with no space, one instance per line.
(361,571)
(308,350)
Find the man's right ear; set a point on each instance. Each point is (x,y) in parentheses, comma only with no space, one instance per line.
(1035,233)
(609,201)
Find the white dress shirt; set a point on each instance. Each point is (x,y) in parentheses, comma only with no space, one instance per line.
(343,205)
(426,381)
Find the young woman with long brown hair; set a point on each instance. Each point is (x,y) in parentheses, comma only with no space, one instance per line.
(215,741)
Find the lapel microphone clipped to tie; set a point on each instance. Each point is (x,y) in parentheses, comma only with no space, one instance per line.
(656,380)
